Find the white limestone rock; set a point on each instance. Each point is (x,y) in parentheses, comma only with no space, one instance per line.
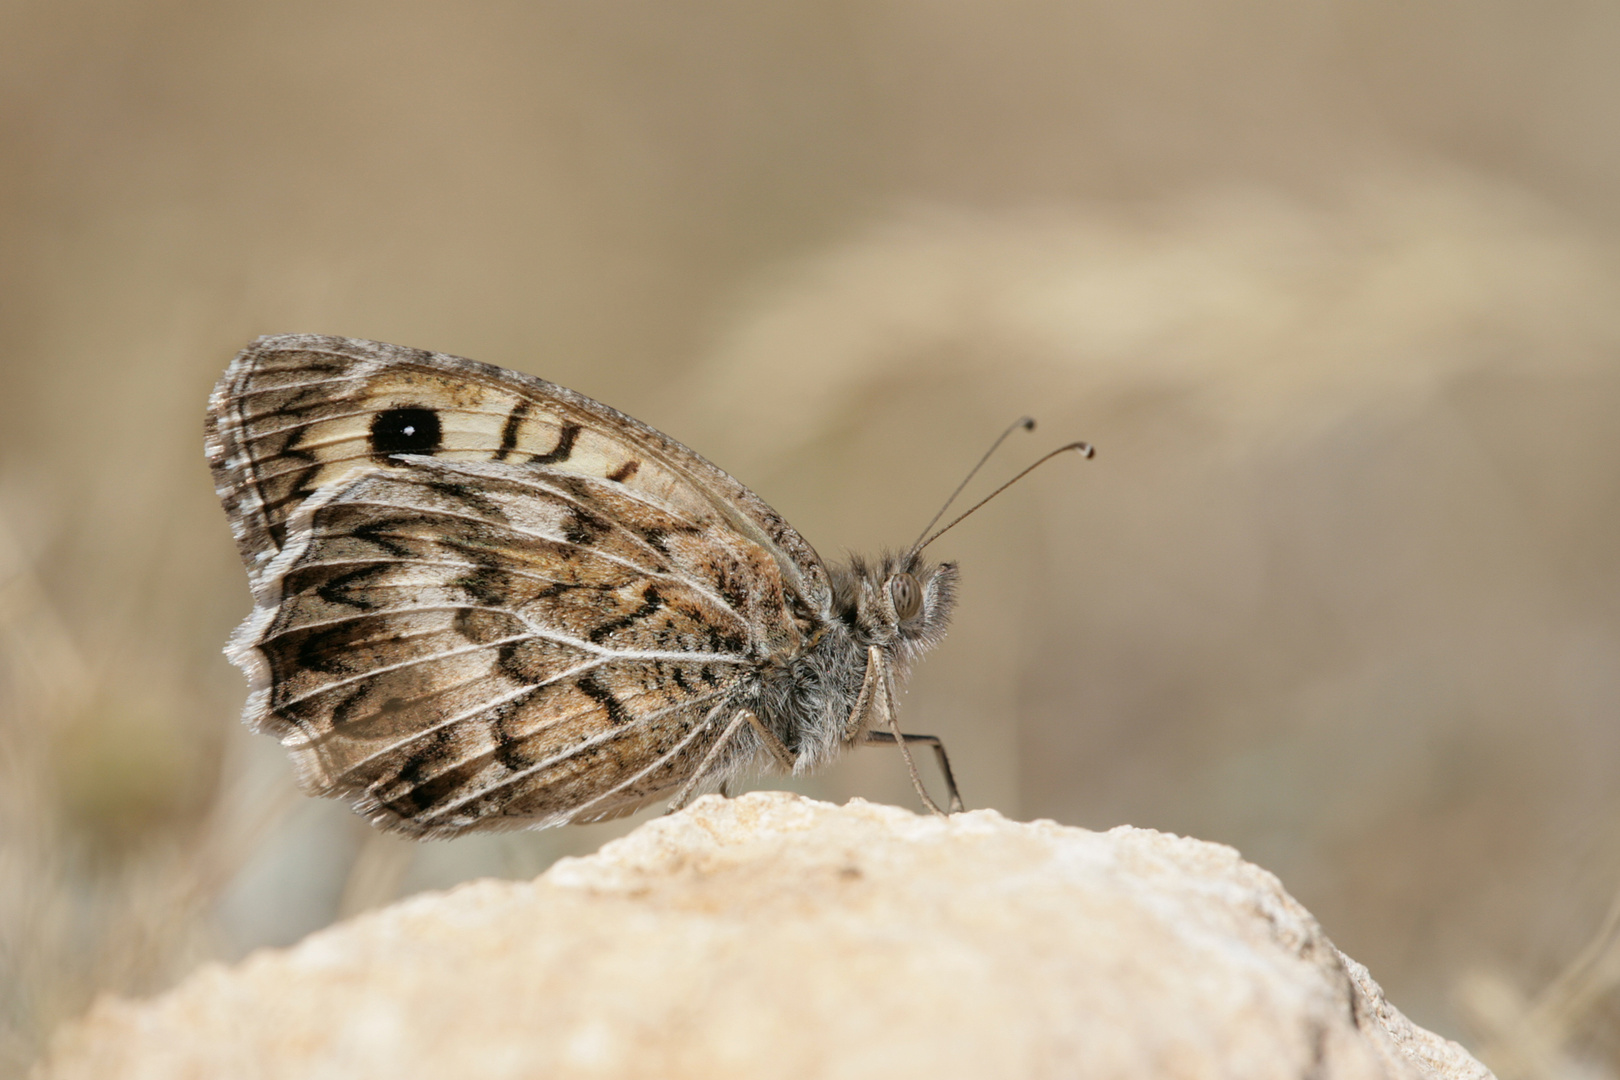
(773,936)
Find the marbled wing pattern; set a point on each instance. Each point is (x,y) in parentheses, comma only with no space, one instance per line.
(484,601)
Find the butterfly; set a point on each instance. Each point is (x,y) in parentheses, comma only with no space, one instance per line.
(484,601)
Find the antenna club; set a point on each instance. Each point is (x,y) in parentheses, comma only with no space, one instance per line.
(1025,422)
(1084,448)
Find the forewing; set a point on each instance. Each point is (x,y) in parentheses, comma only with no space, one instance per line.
(296,412)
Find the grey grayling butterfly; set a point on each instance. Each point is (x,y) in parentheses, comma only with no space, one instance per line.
(484,601)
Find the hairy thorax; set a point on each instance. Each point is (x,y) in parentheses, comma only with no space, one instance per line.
(809,699)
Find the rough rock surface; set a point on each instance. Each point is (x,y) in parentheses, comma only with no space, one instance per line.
(773,936)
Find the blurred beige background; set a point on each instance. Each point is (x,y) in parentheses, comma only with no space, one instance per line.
(1332,286)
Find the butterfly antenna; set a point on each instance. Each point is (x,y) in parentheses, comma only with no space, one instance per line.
(1084,449)
(1025,422)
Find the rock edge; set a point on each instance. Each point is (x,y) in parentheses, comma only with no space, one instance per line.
(771,935)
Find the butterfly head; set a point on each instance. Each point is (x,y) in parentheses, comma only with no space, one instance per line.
(898,601)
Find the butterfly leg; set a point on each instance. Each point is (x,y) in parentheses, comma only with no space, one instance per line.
(884,738)
(781,753)
(708,759)
(876,703)
(898,738)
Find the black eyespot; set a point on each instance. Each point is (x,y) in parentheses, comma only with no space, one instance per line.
(407,430)
(906,595)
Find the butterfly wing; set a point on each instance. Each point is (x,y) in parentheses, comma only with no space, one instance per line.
(483,600)
(295,412)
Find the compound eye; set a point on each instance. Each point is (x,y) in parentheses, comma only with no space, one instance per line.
(906,595)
